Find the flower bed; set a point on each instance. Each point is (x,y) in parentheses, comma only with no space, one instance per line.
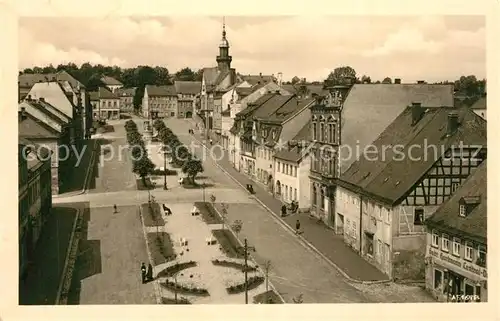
(165,300)
(144,187)
(182,289)
(161,247)
(208,213)
(253,282)
(269,297)
(152,215)
(228,243)
(171,270)
(235,265)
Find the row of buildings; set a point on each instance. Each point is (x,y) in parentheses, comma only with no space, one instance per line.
(54,120)
(177,100)
(397,169)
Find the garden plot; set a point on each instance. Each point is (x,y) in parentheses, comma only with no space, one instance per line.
(204,274)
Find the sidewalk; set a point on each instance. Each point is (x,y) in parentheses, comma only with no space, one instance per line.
(43,279)
(319,236)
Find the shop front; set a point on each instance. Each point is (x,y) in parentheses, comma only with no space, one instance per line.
(452,279)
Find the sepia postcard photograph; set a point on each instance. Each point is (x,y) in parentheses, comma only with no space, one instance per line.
(251,158)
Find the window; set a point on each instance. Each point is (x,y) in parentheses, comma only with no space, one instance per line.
(435,239)
(418,217)
(369,244)
(290,189)
(456,246)
(295,171)
(322,200)
(314,195)
(454,187)
(354,229)
(481,256)
(315,131)
(348,227)
(279,165)
(462,210)
(322,132)
(445,243)
(438,279)
(295,194)
(468,251)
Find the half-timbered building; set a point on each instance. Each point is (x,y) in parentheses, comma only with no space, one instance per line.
(456,244)
(413,166)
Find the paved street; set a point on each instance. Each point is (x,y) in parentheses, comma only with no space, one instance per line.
(296,269)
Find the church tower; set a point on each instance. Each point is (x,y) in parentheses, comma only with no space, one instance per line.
(224,59)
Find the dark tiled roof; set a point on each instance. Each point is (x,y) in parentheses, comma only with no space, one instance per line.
(271,106)
(32,128)
(248,112)
(94,95)
(474,225)
(188,87)
(41,153)
(293,154)
(54,111)
(125,92)
(386,175)
(257,79)
(28,80)
(480,104)
(105,93)
(290,109)
(110,81)
(369,108)
(210,75)
(43,108)
(161,91)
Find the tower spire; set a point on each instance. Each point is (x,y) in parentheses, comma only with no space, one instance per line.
(224,59)
(223,27)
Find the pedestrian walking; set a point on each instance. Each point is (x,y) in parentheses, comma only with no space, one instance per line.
(143,272)
(297,227)
(149,275)
(115,208)
(283,210)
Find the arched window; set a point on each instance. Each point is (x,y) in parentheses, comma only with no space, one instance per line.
(322,198)
(314,131)
(314,195)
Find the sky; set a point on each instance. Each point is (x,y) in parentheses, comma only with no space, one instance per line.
(430,48)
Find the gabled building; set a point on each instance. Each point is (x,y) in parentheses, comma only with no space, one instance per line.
(111,83)
(357,115)
(479,107)
(291,170)
(35,198)
(187,93)
(126,99)
(416,164)
(105,103)
(49,132)
(215,82)
(236,100)
(275,124)
(456,243)
(243,157)
(55,94)
(27,81)
(159,101)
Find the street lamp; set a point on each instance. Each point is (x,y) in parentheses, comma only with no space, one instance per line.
(175,285)
(245,250)
(164,168)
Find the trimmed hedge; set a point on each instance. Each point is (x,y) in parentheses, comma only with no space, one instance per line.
(173,269)
(228,243)
(161,247)
(182,289)
(235,265)
(253,282)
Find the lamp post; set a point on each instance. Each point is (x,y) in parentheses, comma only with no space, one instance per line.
(245,250)
(175,285)
(164,168)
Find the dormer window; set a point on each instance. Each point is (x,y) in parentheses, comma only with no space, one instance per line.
(462,210)
(467,204)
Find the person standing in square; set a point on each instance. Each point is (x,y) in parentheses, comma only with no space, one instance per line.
(143,272)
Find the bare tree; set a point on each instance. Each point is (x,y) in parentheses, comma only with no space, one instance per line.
(223,213)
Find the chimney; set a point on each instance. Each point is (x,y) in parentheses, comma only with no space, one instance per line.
(452,124)
(280,77)
(420,82)
(397,81)
(28,98)
(42,99)
(260,74)
(22,113)
(416,112)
